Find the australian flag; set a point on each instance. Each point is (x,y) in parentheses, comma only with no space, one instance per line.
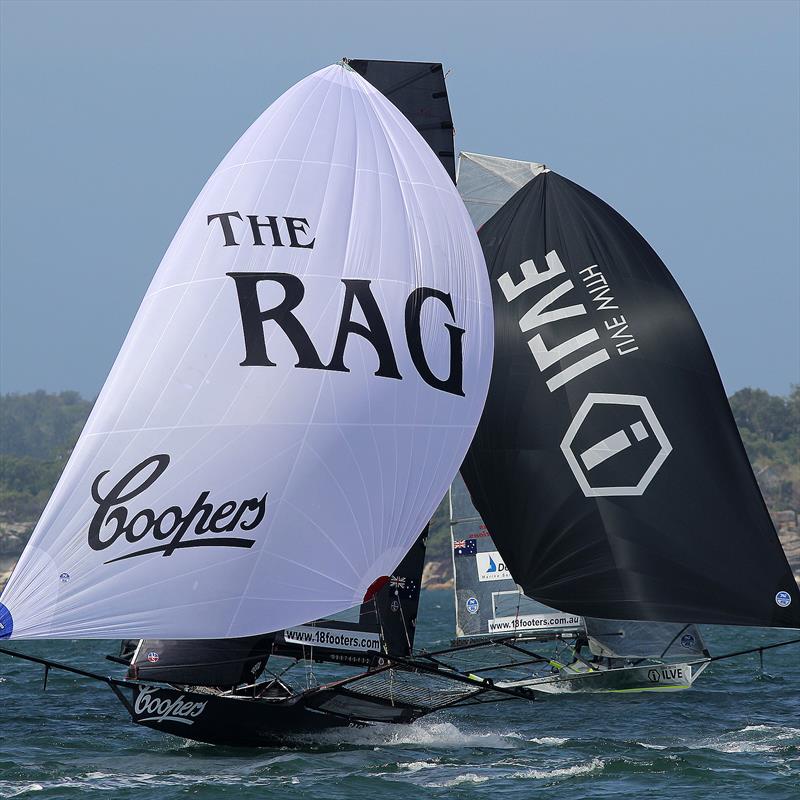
(465,547)
(403,587)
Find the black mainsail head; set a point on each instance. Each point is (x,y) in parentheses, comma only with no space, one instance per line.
(607,463)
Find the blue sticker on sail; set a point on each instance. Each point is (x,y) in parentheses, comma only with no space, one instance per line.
(687,640)
(473,605)
(6,623)
(783,599)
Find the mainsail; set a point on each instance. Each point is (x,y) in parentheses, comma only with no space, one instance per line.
(221,663)
(487,182)
(612,638)
(298,388)
(607,464)
(488,600)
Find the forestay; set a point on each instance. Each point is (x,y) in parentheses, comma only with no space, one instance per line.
(296,392)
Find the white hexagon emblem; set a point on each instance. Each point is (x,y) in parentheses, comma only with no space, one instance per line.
(614,452)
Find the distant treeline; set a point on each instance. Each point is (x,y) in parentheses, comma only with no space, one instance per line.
(37,434)
(38,431)
(770,428)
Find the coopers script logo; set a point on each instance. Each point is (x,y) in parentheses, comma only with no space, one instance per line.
(165,709)
(113,520)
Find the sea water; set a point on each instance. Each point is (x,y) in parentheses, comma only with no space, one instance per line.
(736,734)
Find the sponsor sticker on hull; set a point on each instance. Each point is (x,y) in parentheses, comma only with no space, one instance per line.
(158,708)
(332,638)
(534,622)
(679,674)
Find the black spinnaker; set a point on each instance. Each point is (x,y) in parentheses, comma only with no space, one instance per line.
(607,463)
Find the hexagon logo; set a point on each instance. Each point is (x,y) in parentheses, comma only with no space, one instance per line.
(615,445)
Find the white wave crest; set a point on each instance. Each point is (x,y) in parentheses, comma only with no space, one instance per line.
(595,765)
(31,787)
(468,777)
(553,741)
(423,733)
(416,766)
(751,739)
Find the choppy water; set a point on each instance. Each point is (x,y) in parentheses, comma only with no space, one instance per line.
(737,733)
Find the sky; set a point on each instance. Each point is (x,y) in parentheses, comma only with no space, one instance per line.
(683,116)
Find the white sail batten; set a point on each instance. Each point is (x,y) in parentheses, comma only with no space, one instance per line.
(296,392)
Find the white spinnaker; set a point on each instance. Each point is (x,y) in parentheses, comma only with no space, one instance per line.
(353,465)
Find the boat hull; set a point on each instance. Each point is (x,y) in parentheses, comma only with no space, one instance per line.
(647,678)
(238,721)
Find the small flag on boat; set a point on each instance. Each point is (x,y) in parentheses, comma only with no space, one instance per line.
(465,547)
(405,588)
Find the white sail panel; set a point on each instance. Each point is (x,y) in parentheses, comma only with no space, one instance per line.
(616,638)
(487,182)
(292,399)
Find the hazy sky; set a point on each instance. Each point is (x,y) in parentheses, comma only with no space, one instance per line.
(684,116)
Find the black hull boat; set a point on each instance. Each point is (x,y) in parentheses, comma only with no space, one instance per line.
(239,720)
(234,720)
(271,713)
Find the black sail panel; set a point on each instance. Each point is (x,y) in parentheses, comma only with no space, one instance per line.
(418,90)
(220,663)
(607,463)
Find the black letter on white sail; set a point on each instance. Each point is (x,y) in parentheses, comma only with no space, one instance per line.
(453,382)
(374,331)
(253,319)
(227,228)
